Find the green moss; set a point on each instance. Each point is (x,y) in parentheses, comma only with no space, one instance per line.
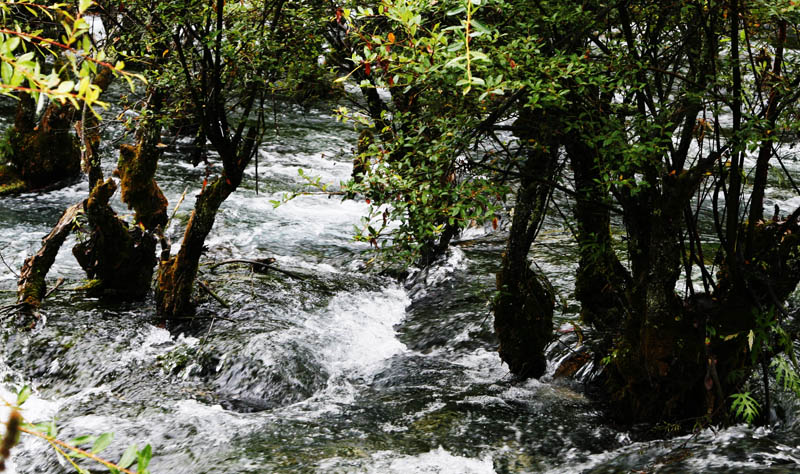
(91,285)
(47,154)
(34,291)
(136,168)
(436,425)
(10,182)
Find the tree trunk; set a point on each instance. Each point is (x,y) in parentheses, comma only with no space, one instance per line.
(523,309)
(47,154)
(121,260)
(176,276)
(602,284)
(136,169)
(31,286)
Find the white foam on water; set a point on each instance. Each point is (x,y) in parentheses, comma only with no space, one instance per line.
(151,342)
(353,339)
(438,461)
(423,280)
(482,366)
(357,331)
(212,421)
(253,222)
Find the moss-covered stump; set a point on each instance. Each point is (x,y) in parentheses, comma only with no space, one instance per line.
(122,259)
(136,168)
(48,154)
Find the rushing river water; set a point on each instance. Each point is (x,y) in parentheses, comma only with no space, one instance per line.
(329,370)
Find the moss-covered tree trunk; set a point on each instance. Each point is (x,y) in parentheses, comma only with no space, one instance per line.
(32,286)
(176,276)
(602,284)
(659,363)
(119,259)
(88,129)
(523,308)
(43,153)
(136,169)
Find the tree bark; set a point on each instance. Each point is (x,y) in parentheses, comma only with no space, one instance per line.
(120,259)
(31,286)
(176,275)
(523,308)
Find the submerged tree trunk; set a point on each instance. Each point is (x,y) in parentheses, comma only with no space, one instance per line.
(31,286)
(681,358)
(44,153)
(523,308)
(602,284)
(659,363)
(119,259)
(176,276)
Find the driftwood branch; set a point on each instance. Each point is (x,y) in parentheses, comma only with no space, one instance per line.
(258,263)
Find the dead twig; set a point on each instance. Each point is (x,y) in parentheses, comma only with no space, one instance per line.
(52,290)
(208,290)
(7,265)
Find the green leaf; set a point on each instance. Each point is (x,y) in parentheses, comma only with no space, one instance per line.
(102,442)
(17,78)
(23,395)
(65,87)
(86,439)
(745,406)
(6,71)
(480,27)
(84,5)
(143,459)
(128,457)
(12,43)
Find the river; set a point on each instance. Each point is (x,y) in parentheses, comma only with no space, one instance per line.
(332,369)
